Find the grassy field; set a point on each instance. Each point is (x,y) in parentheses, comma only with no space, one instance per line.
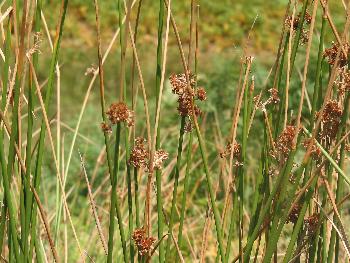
(218,133)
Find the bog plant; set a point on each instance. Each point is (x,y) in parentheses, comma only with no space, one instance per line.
(146,209)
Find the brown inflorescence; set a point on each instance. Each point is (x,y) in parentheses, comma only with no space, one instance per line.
(119,112)
(331,117)
(106,127)
(315,150)
(143,243)
(343,81)
(139,154)
(332,52)
(159,157)
(140,158)
(311,224)
(294,214)
(226,153)
(201,94)
(186,94)
(296,21)
(284,143)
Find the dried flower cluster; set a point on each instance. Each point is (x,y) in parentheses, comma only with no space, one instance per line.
(106,127)
(343,81)
(227,152)
(311,224)
(119,112)
(139,156)
(284,143)
(315,151)
(274,98)
(187,94)
(294,23)
(294,214)
(331,117)
(143,243)
(159,157)
(332,52)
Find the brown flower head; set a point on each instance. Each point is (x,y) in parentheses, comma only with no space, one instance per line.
(139,154)
(332,52)
(315,151)
(179,83)
(159,157)
(343,81)
(236,151)
(106,127)
(294,214)
(119,112)
(143,243)
(311,224)
(284,142)
(331,117)
(201,94)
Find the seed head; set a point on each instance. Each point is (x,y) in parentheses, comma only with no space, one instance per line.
(201,94)
(332,52)
(331,117)
(315,151)
(294,214)
(179,83)
(106,127)
(159,157)
(236,152)
(311,224)
(284,142)
(119,112)
(139,154)
(143,243)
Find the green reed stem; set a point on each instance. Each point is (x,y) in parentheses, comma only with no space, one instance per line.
(281,180)
(176,183)
(50,83)
(211,193)
(340,182)
(158,172)
(316,94)
(113,195)
(4,76)
(185,191)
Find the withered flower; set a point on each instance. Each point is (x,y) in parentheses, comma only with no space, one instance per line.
(331,117)
(332,52)
(201,94)
(143,243)
(159,157)
(315,151)
(186,94)
(106,127)
(311,224)
(294,214)
(179,83)
(139,154)
(228,149)
(284,142)
(343,81)
(119,112)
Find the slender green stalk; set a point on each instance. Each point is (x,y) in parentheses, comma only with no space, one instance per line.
(176,183)
(50,83)
(316,94)
(113,195)
(185,191)
(158,172)
(211,193)
(4,76)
